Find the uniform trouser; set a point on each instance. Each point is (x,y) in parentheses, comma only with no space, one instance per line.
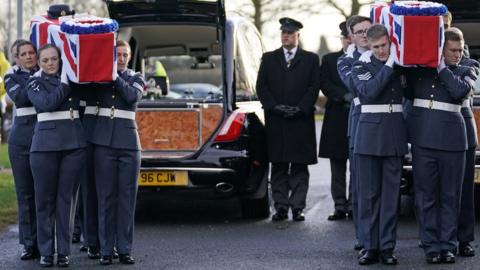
(78,221)
(466,221)
(24,187)
(56,173)
(338,184)
(116,174)
(354,191)
(89,201)
(289,185)
(438,177)
(378,200)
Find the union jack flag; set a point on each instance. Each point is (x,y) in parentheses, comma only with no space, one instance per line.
(89,57)
(44,30)
(419,39)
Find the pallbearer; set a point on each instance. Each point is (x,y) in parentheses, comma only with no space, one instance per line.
(117,159)
(19,143)
(57,155)
(380,144)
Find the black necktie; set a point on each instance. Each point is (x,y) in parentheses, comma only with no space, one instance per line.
(289,58)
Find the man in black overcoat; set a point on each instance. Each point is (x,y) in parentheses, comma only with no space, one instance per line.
(334,140)
(288,86)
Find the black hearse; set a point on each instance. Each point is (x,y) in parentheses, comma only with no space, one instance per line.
(200,122)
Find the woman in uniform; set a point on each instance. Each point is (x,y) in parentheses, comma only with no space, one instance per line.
(57,155)
(19,143)
(117,159)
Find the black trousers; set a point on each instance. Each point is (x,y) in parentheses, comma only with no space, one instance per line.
(466,221)
(338,186)
(289,185)
(116,175)
(24,187)
(90,202)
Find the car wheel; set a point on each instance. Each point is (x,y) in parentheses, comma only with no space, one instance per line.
(258,207)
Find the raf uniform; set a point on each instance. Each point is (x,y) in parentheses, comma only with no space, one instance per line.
(437,132)
(288,86)
(19,143)
(344,68)
(466,221)
(380,144)
(88,190)
(57,157)
(117,163)
(334,140)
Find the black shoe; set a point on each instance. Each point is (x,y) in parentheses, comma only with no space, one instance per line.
(75,238)
(337,215)
(126,259)
(29,253)
(357,246)
(62,261)
(280,215)
(387,257)
(46,261)
(93,253)
(298,215)
(369,257)
(433,257)
(465,250)
(83,248)
(361,253)
(115,254)
(106,260)
(446,256)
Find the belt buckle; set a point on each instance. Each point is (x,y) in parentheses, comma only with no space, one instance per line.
(97,110)
(430,105)
(390,108)
(112,112)
(72,116)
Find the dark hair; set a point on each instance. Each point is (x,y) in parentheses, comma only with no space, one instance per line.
(453,34)
(24,42)
(376,31)
(15,44)
(356,19)
(123,43)
(48,46)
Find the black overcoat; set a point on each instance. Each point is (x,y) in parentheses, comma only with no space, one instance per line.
(334,140)
(290,140)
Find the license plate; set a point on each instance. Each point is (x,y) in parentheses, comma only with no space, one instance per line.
(477,176)
(163,178)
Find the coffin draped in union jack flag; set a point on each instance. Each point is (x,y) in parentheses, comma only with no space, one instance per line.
(416,28)
(88,49)
(87,44)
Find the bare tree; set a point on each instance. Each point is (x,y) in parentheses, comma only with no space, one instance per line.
(262,11)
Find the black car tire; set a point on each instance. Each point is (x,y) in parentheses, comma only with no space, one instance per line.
(257,206)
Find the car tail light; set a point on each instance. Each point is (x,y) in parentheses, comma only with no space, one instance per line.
(232,128)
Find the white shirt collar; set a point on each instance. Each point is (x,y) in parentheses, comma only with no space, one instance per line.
(294,51)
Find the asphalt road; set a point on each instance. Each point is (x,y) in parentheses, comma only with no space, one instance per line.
(212,235)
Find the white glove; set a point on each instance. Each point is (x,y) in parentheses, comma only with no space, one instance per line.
(391,56)
(115,72)
(442,65)
(63,75)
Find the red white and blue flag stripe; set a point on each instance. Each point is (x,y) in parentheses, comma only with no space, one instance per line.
(44,30)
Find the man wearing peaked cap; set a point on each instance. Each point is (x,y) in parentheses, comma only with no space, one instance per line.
(287,86)
(288,24)
(55,11)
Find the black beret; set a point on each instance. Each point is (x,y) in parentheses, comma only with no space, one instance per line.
(55,11)
(289,24)
(343,29)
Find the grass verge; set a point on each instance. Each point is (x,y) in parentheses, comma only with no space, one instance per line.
(4,160)
(8,200)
